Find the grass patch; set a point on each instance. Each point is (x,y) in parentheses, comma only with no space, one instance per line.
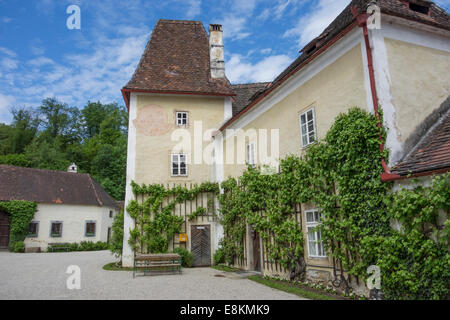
(222,267)
(115,266)
(295,289)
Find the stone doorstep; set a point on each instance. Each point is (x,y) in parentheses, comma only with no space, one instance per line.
(32,249)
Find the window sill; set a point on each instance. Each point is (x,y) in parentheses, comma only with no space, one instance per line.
(32,236)
(318,257)
(55,236)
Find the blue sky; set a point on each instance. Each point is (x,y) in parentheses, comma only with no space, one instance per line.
(40,57)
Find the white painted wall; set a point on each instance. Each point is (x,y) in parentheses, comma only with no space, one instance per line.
(74,219)
(128,223)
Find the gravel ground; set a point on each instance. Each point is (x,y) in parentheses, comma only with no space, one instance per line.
(43,276)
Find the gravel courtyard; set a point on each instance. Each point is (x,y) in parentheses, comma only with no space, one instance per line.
(43,276)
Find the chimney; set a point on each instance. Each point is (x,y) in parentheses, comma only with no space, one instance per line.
(73,168)
(217,60)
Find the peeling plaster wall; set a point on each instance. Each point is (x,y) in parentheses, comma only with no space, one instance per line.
(412,72)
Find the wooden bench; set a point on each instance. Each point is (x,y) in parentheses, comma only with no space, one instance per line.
(58,246)
(157,263)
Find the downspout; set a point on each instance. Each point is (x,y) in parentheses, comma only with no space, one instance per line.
(361,19)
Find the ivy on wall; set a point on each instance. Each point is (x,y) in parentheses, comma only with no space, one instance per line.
(21,213)
(414,259)
(261,201)
(155,223)
(341,176)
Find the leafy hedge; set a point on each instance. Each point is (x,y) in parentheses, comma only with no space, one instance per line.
(83,246)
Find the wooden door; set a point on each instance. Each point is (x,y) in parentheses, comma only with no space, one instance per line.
(256,244)
(201,245)
(4,230)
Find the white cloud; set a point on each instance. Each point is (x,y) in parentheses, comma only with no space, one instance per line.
(8,64)
(41,61)
(8,52)
(6,102)
(310,26)
(194,8)
(266,51)
(6,20)
(240,70)
(235,21)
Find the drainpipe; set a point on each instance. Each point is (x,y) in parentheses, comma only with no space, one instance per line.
(361,19)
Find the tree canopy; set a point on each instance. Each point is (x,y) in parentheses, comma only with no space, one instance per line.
(54,135)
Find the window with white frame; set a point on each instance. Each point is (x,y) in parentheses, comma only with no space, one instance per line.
(308,127)
(178,165)
(314,234)
(250,154)
(182,118)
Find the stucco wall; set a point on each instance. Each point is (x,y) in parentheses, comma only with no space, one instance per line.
(420,82)
(333,90)
(74,219)
(153,152)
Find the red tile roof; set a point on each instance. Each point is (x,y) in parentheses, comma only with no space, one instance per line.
(432,153)
(244,93)
(48,186)
(177,60)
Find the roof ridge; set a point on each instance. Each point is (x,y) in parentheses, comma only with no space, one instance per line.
(45,170)
(180,21)
(431,122)
(95,191)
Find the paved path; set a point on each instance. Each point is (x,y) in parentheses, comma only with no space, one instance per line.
(43,276)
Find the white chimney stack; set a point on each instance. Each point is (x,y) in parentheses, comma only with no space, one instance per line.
(217,59)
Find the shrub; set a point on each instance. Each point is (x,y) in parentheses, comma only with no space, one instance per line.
(116,243)
(219,256)
(74,247)
(101,245)
(186,257)
(19,246)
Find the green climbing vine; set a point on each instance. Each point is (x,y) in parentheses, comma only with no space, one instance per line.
(341,176)
(260,201)
(414,259)
(155,223)
(21,213)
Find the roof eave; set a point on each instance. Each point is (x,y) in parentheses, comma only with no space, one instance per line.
(126,93)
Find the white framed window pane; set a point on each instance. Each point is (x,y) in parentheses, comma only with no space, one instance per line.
(302,119)
(310,115)
(310,126)
(316,216)
(305,140)
(310,216)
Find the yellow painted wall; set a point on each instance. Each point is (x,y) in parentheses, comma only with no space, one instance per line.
(153,151)
(420,82)
(335,89)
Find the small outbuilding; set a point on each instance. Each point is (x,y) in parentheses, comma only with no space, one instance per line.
(71,207)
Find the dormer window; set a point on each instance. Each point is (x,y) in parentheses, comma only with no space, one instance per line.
(419,8)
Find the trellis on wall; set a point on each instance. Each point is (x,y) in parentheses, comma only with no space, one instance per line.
(161,212)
